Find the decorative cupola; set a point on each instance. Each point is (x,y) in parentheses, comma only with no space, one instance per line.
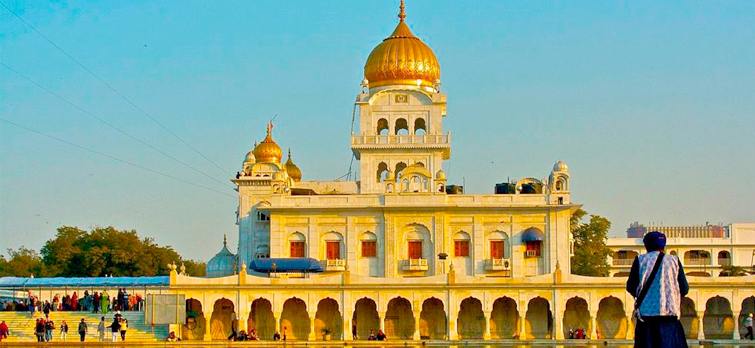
(268,150)
(222,264)
(402,59)
(293,171)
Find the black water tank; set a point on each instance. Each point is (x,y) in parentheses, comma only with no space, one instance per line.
(455,190)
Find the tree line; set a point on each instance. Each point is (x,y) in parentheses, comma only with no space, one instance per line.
(103,251)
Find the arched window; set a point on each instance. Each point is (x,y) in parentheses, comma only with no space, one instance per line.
(400,166)
(461,244)
(499,248)
(297,243)
(332,243)
(382,171)
(416,184)
(369,244)
(382,127)
(402,128)
(724,258)
(420,128)
(405,186)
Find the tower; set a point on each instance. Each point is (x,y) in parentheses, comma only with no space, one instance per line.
(400,141)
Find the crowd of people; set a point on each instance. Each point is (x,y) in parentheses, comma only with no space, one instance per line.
(96,302)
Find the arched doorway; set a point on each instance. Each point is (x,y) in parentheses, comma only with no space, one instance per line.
(295,319)
(504,319)
(328,317)
(576,316)
(748,306)
(432,320)
(612,319)
(718,320)
(399,319)
(261,319)
(689,318)
(471,321)
(196,324)
(222,319)
(539,319)
(365,317)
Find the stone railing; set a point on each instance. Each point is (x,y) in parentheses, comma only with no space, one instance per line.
(724,261)
(415,265)
(429,139)
(530,253)
(697,262)
(334,265)
(622,262)
(498,264)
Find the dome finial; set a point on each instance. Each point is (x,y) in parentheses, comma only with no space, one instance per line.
(270,127)
(289,152)
(225,240)
(402,14)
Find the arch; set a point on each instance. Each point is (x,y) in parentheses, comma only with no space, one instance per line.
(471,321)
(504,319)
(433,320)
(539,319)
(399,319)
(462,236)
(297,237)
(196,324)
(402,127)
(382,172)
(261,319)
(718,321)
(382,127)
(328,316)
(612,319)
(697,257)
(294,320)
(368,236)
(222,319)
(365,317)
(498,245)
(416,184)
(724,258)
(400,166)
(689,320)
(748,306)
(576,316)
(420,127)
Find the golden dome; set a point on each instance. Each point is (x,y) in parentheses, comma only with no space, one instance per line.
(268,151)
(293,171)
(402,59)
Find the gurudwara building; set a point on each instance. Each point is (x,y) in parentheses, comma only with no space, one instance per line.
(401,250)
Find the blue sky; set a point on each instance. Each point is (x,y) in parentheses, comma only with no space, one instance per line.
(650,103)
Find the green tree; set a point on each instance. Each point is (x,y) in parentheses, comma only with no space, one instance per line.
(733,271)
(590,251)
(22,263)
(108,251)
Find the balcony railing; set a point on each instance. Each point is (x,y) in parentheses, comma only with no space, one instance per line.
(530,253)
(430,139)
(724,261)
(622,262)
(416,265)
(498,264)
(697,262)
(334,265)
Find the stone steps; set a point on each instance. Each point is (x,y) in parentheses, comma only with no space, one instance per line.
(21,326)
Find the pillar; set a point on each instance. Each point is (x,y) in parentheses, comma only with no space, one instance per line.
(488,316)
(416,325)
(523,324)
(593,325)
(381,320)
(630,327)
(313,336)
(277,317)
(736,325)
(241,323)
(347,324)
(453,333)
(700,327)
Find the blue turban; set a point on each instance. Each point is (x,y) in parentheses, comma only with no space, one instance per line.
(654,241)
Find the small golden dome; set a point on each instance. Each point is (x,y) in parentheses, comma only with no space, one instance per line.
(293,171)
(402,59)
(268,151)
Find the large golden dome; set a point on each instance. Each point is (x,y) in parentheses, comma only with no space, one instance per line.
(402,59)
(268,151)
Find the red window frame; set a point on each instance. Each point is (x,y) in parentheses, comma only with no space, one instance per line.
(461,248)
(369,248)
(415,249)
(536,246)
(497,249)
(333,250)
(297,249)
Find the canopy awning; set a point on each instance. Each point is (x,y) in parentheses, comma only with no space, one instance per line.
(61,282)
(532,235)
(286,265)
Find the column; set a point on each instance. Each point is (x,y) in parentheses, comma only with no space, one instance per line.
(453,333)
(347,323)
(593,325)
(488,317)
(277,317)
(416,325)
(313,336)
(700,327)
(558,322)
(382,321)
(736,326)
(630,327)
(523,325)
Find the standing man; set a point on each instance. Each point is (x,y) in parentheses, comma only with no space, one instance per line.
(115,327)
(101,329)
(82,329)
(748,326)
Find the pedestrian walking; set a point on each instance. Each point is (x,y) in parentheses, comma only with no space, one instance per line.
(124,328)
(748,326)
(49,329)
(115,328)
(63,331)
(101,329)
(83,329)
(658,285)
(39,330)
(4,331)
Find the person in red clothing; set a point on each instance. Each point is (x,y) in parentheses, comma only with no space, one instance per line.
(4,331)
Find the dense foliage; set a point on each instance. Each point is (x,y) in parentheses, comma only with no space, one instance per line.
(102,251)
(590,251)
